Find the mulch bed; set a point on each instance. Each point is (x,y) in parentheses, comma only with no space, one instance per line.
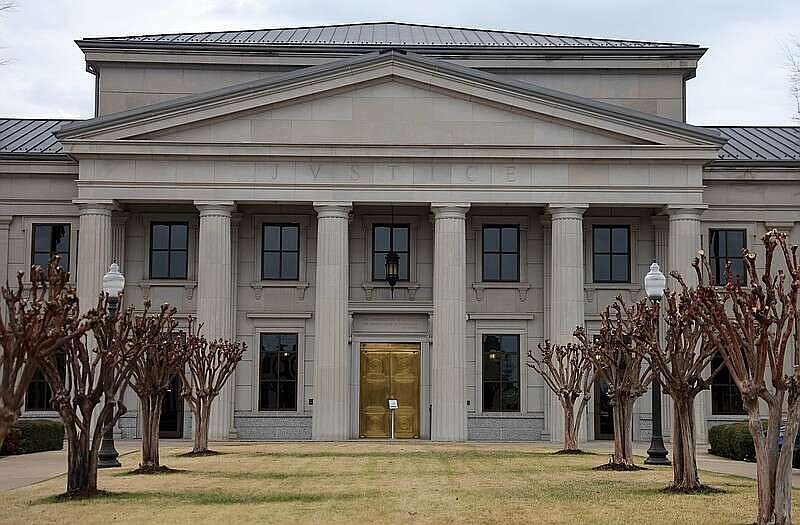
(201,454)
(703,489)
(162,469)
(564,451)
(620,467)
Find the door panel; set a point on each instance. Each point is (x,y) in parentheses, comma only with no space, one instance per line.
(603,411)
(389,371)
(171,424)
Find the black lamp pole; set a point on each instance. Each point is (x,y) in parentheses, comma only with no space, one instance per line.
(108,455)
(657,453)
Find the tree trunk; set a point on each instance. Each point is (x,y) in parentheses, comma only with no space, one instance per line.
(7,418)
(783,474)
(623,431)
(765,471)
(151,408)
(201,418)
(684,460)
(570,433)
(81,477)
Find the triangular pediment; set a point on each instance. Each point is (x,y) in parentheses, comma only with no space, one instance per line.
(389,99)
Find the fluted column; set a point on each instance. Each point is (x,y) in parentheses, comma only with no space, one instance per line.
(5,225)
(214,296)
(448,352)
(331,418)
(94,250)
(661,254)
(566,288)
(118,228)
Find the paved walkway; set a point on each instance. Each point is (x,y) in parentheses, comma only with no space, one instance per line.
(20,471)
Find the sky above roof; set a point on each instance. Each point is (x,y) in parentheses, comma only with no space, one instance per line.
(742,79)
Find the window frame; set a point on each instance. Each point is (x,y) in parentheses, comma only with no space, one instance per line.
(373,251)
(51,224)
(169,250)
(730,386)
(298,381)
(611,253)
(280,251)
(714,260)
(521,386)
(500,252)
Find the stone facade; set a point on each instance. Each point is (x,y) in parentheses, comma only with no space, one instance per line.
(335,145)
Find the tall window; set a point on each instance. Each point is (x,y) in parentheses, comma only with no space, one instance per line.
(501,253)
(280,257)
(500,373)
(727,245)
(387,238)
(725,396)
(50,240)
(169,250)
(39,396)
(611,249)
(278,372)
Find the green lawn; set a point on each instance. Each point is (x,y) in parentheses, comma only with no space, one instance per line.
(378,482)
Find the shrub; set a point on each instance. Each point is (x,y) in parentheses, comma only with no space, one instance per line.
(33,435)
(732,441)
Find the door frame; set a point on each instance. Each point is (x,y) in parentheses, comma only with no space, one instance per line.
(424,379)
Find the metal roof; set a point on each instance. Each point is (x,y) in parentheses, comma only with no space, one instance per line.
(30,137)
(762,144)
(386,34)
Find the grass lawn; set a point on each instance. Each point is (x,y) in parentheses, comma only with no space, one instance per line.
(378,482)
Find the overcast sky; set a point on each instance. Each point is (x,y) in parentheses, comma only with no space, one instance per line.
(742,79)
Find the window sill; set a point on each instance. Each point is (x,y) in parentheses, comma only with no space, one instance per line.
(299,286)
(274,413)
(188,286)
(493,415)
(521,288)
(369,288)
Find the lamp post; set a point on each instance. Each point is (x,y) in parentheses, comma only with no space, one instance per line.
(654,284)
(113,284)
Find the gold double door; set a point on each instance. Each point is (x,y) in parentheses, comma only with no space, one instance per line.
(389,371)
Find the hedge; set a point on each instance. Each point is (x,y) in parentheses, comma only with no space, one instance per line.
(33,435)
(734,441)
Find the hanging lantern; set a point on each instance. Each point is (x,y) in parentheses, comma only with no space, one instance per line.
(392,269)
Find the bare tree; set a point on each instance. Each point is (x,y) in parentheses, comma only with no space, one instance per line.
(680,363)
(620,359)
(85,377)
(570,374)
(34,323)
(793,66)
(208,368)
(756,329)
(160,358)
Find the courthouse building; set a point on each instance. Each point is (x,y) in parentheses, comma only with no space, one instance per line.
(259,179)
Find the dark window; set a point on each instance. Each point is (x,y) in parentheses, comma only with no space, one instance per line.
(280,256)
(39,395)
(278,372)
(612,254)
(50,240)
(386,238)
(727,245)
(169,250)
(725,396)
(501,253)
(500,373)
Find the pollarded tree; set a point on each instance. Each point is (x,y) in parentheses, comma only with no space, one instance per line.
(208,368)
(86,376)
(570,374)
(161,357)
(680,363)
(756,329)
(31,324)
(620,359)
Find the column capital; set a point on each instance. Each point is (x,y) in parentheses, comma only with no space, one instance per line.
(5,221)
(215,208)
(96,207)
(689,211)
(333,210)
(450,210)
(566,210)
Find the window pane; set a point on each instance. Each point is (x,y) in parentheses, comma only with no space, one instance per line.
(381,239)
(734,243)
(491,239)
(402,271)
(737,267)
(491,358)
(269,366)
(287,361)
(272,237)
(159,265)
(379,266)
(64,262)
(61,238)
(270,342)
(620,240)
(179,236)
(509,344)
(270,265)
(400,239)
(602,240)
(602,267)
(289,266)
(509,240)
(714,244)
(177,265)
(289,240)
(41,238)
(509,267)
(160,233)
(268,398)
(491,397)
(43,259)
(620,268)
(287,395)
(510,396)
(491,266)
